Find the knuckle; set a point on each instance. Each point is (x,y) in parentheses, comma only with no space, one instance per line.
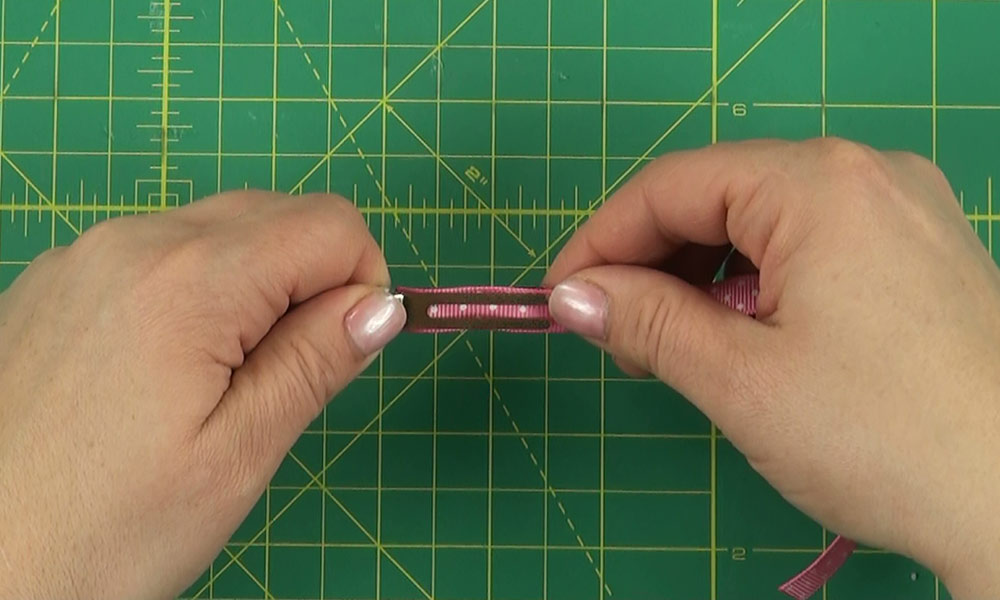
(121,242)
(167,272)
(914,161)
(242,201)
(47,258)
(350,212)
(334,209)
(103,235)
(929,171)
(841,155)
(839,150)
(186,259)
(334,200)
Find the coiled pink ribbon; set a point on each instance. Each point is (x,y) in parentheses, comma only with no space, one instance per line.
(525,310)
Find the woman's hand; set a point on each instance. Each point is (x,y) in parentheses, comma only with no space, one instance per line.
(154,374)
(868,389)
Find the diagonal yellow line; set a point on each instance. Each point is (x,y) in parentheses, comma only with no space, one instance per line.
(333,149)
(34,188)
(333,461)
(381,103)
(361,527)
(252,577)
(503,223)
(649,151)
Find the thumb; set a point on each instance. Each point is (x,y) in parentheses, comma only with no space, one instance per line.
(658,323)
(309,356)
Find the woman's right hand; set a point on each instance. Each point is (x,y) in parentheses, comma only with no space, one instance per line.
(867,391)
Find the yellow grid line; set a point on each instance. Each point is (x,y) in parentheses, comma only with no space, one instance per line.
(326,437)
(55,121)
(291,99)
(989,212)
(347,45)
(165,100)
(458,546)
(381,361)
(822,67)
(545,366)
(3,75)
(602,571)
(111,87)
(416,211)
(542,491)
(878,105)
(764,550)
(490,336)
(823,133)
(274,186)
(713,527)
(437,338)
(220,104)
(934,80)
(273,100)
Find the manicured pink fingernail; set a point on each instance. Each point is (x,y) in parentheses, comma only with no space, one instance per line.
(580,307)
(375,321)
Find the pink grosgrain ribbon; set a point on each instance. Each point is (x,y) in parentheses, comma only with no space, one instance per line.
(525,310)
(495,308)
(812,578)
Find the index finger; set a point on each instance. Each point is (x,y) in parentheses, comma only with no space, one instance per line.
(304,245)
(707,196)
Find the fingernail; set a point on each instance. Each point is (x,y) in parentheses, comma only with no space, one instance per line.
(375,321)
(580,307)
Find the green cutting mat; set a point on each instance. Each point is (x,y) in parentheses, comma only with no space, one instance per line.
(473,135)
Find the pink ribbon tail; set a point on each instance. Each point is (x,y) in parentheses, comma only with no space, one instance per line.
(812,578)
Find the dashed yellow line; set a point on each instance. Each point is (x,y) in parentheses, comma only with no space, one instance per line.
(538,466)
(27,53)
(350,136)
